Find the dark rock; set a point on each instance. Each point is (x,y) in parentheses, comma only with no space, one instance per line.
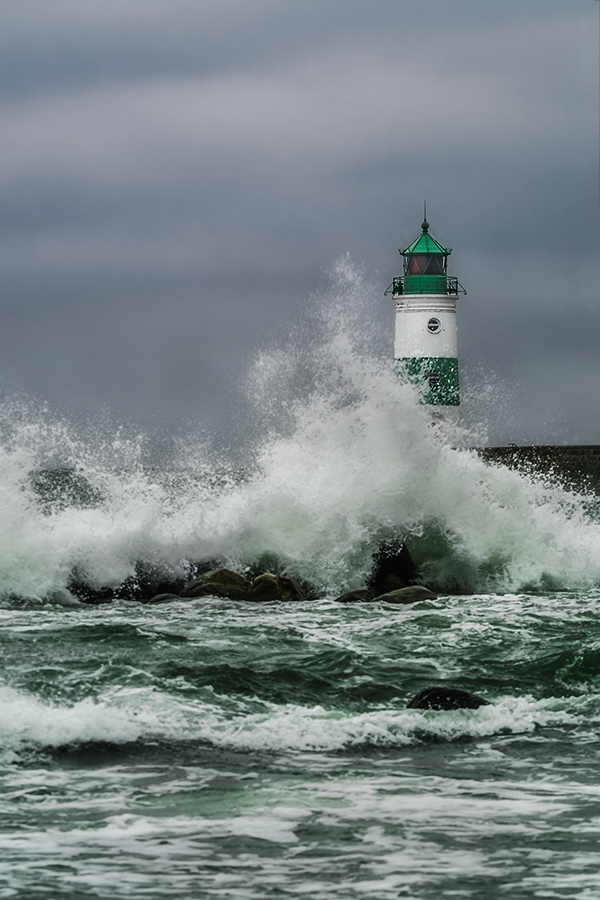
(269,587)
(218,583)
(408,595)
(231,585)
(225,576)
(440,697)
(361,596)
(391,561)
(401,595)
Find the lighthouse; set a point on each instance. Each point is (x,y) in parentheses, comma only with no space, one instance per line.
(425,347)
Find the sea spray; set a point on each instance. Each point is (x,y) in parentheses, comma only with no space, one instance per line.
(347,456)
(339,456)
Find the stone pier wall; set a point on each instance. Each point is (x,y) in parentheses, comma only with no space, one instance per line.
(577,466)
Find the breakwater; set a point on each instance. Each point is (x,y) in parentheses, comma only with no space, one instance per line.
(577,467)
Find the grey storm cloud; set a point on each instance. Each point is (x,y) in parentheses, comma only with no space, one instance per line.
(175,177)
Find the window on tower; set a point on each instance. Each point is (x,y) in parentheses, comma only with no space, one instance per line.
(422,264)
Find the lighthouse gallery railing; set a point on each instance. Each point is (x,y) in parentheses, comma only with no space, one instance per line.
(452,285)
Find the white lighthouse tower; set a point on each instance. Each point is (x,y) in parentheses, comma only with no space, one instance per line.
(425,347)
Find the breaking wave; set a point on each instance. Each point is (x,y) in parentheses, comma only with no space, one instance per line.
(338,456)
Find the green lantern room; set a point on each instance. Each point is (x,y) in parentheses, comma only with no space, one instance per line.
(425,265)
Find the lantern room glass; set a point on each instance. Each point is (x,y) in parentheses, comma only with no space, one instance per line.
(425,264)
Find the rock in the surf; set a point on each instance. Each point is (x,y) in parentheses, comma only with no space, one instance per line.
(231,585)
(441,697)
(408,595)
(268,587)
(218,583)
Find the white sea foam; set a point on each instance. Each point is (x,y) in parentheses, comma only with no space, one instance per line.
(26,721)
(127,714)
(340,456)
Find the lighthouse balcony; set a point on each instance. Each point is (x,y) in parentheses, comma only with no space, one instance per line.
(425,284)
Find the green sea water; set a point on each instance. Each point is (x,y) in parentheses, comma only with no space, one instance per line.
(209,749)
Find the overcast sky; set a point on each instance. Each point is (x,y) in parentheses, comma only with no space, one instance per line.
(177,175)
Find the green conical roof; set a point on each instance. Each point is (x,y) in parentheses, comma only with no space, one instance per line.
(425,244)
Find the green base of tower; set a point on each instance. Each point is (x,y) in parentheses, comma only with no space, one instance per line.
(438,378)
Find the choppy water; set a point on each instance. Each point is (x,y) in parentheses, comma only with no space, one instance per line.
(224,750)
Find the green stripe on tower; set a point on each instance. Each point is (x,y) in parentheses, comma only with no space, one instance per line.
(437,377)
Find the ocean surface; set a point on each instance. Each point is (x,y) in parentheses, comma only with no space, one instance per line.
(212,749)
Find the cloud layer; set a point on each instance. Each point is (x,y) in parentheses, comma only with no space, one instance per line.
(176,177)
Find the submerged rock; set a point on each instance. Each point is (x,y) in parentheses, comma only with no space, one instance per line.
(440,697)
(402,595)
(408,595)
(162,598)
(361,596)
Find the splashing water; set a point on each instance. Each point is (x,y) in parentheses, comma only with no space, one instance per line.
(339,456)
